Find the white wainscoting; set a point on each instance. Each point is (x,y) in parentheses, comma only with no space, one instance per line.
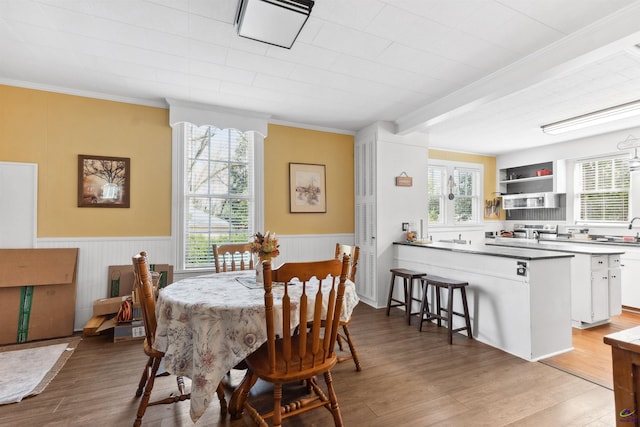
(95,255)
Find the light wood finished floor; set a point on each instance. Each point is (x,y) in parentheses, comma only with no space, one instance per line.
(591,357)
(408,379)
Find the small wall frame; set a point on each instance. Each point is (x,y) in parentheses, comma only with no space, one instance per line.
(404,180)
(307,188)
(103,182)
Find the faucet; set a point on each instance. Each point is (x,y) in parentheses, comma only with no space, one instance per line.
(536,235)
(631,223)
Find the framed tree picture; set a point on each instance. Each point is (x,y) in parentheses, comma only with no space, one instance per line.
(307,188)
(103,182)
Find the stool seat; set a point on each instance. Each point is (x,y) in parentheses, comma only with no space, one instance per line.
(444,281)
(437,313)
(408,277)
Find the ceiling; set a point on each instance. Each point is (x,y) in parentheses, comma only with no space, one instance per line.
(478,76)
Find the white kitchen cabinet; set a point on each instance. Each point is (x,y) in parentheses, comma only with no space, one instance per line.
(590,290)
(630,284)
(380,206)
(523,178)
(615,288)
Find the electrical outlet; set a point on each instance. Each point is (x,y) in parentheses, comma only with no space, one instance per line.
(405,226)
(521,270)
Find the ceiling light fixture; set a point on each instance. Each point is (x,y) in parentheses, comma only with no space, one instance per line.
(276,22)
(591,119)
(631,142)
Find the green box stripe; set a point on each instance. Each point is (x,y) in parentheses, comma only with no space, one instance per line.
(26,299)
(115,287)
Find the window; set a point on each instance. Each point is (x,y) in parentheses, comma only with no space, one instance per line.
(217,191)
(602,190)
(454,193)
(436,194)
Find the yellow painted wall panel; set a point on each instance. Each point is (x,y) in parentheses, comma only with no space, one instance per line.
(52,129)
(286,144)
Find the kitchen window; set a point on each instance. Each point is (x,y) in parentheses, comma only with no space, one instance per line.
(216,191)
(602,190)
(454,193)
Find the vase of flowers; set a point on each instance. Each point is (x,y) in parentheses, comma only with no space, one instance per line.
(265,247)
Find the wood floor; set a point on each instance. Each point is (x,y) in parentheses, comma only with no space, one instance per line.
(408,379)
(591,357)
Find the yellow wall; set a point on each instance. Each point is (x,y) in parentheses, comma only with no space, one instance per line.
(51,129)
(489,163)
(287,144)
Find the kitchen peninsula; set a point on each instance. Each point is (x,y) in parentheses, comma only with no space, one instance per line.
(519,299)
(596,277)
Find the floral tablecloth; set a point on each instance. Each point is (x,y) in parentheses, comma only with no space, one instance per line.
(208,324)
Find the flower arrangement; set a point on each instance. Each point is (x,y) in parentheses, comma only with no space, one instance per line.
(266,246)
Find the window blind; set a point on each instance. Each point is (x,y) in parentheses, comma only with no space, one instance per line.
(603,189)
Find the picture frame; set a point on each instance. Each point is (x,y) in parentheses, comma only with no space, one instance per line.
(103,181)
(307,188)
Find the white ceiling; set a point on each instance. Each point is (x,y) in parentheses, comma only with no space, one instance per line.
(478,76)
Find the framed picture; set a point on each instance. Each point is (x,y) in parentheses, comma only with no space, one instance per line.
(103,182)
(307,189)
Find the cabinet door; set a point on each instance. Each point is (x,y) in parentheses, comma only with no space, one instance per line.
(599,295)
(630,286)
(365,211)
(615,294)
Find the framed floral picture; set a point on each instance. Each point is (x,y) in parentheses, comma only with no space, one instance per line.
(307,188)
(103,182)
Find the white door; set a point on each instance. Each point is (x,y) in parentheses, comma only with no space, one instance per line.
(18,205)
(365,211)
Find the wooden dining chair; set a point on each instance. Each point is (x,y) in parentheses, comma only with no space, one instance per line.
(293,357)
(144,290)
(232,257)
(353,252)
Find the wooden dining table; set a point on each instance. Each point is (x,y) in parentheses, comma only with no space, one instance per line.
(208,324)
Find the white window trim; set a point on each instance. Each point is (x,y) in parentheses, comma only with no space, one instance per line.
(634,199)
(449,222)
(201,115)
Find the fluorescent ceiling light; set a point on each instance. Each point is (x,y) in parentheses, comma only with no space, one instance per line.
(591,119)
(276,22)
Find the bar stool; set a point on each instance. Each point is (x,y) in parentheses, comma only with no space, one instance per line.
(451,285)
(408,277)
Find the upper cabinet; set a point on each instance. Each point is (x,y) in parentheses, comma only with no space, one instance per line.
(534,178)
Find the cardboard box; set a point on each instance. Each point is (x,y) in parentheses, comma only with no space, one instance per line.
(107,305)
(121,278)
(129,331)
(37,293)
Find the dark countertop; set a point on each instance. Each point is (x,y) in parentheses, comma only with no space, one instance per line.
(498,251)
(559,246)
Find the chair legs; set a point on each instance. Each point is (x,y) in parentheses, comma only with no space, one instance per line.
(147,381)
(154,362)
(352,348)
(239,401)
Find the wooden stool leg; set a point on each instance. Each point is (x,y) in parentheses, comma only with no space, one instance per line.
(438,306)
(407,299)
(466,312)
(450,313)
(425,303)
(391,285)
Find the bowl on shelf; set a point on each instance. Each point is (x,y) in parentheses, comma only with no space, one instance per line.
(543,172)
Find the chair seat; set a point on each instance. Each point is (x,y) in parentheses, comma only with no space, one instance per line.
(258,362)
